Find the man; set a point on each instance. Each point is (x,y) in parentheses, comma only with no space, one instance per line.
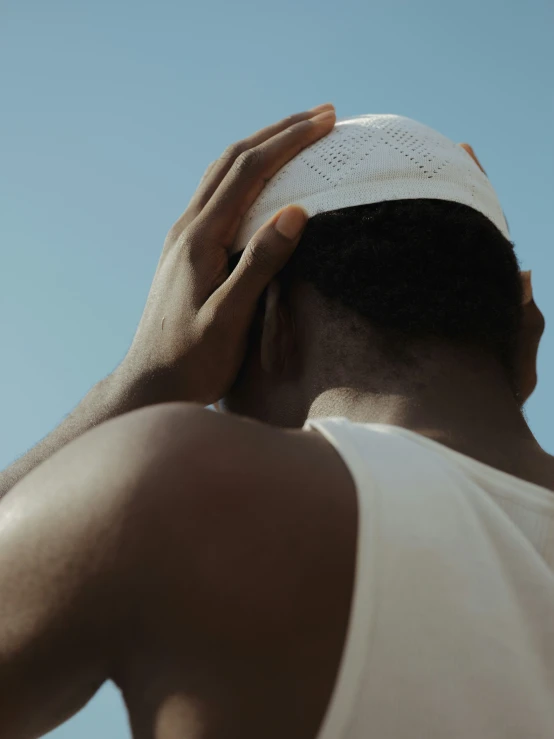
(361,542)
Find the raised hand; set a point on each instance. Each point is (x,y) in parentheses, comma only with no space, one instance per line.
(192,336)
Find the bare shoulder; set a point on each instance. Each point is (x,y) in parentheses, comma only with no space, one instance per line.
(180,552)
(254,551)
(265,458)
(270,513)
(278,506)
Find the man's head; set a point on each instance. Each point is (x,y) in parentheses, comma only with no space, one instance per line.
(384,287)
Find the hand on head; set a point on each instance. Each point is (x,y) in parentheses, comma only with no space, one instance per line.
(193,334)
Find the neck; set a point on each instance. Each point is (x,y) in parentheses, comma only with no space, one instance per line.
(463,402)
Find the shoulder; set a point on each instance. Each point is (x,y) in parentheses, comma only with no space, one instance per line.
(238,564)
(268,516)
(193,543)
(237,482)
(231,454)
(281,511)
(247,520)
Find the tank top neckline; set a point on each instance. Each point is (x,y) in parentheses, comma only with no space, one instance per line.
(492,474)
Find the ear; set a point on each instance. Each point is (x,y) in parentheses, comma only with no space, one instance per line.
(277,339)
(530,333)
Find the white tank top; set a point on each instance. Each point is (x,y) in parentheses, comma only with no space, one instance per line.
(451,630)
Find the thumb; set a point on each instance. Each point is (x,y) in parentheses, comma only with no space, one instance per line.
(265,255)
(272,245)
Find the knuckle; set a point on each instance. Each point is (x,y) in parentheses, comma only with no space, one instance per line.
(297,126)
(300,127)
(292,120)
(249,161)
(233,151)
(258,257)
(190,240)
(177,230)
(192,233)
(174,233)
(295,133)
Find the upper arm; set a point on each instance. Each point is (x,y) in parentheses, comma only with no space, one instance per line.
(68,540)
(171,534)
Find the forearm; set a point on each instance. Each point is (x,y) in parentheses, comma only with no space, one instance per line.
(123,391)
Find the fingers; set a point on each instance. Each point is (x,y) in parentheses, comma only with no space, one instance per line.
(250,172)
(218,169)
(472,154)
(265,256)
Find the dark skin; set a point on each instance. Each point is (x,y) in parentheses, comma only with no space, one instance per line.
(184,554)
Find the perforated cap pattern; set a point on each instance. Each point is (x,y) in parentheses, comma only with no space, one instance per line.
(370,159)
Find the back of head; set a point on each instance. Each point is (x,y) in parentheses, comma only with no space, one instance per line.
(418,271)
(405,232)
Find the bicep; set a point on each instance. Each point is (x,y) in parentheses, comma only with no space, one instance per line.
(66,535)
(52,608)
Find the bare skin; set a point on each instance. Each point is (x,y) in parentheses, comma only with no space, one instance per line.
(183,553)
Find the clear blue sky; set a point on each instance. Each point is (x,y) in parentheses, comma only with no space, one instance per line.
(111,111)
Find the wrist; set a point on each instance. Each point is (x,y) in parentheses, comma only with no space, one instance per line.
(139,387)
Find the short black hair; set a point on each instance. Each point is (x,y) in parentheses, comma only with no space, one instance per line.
(417,270)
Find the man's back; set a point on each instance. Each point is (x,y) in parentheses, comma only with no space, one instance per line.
(451,628)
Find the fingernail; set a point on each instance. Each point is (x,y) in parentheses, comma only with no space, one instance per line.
(320,108)
(324,117)
(291,221)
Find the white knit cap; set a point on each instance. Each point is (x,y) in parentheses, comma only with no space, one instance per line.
(369,159)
